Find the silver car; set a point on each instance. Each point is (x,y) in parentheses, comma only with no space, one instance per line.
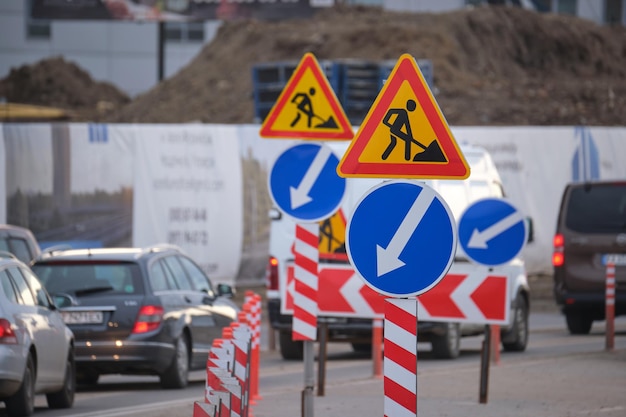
(36,347)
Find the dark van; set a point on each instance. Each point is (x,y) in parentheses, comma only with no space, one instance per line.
(590,227)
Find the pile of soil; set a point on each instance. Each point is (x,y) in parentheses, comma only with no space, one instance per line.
(492,65)
(55,82)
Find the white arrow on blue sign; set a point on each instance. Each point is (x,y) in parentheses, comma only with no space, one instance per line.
(401,238)
(492,231)
(304,183)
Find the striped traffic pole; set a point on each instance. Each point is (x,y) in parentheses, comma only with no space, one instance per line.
(305,274)
(610,306)
(305,304)
(400,357)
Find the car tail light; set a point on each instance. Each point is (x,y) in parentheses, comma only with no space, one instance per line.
(558,256)
(271,278)
(7,334)
(148,319)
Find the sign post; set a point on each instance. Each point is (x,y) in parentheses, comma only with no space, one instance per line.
(305,186)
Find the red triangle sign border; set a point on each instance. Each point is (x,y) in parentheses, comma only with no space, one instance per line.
(456,168)
(308,62)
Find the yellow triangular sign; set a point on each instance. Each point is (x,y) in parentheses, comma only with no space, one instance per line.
(307,108)
(404,134)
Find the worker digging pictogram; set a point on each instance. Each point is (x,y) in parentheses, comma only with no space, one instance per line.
(400,128)
(304,106)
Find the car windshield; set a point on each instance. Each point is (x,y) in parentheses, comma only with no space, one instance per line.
(597,209)
(83,279)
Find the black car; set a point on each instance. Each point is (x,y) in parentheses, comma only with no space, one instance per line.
(137,311)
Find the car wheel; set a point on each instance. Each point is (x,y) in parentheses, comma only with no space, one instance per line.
(22,403)
(577,322)
(65,397)
(290,349)
(448,344)
(177,375)
(516,339)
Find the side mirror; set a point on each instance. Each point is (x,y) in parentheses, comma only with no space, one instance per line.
(62,300)
(225,290)
(531,231)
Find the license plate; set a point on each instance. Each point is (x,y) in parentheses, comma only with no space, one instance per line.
(82,317)
(617,259)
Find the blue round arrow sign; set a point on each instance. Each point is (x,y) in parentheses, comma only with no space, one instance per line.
(401,238)
(492,231)
(304,183)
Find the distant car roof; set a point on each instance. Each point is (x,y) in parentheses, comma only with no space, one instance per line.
(103,254)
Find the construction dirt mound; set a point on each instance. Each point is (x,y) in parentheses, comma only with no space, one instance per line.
(492,65)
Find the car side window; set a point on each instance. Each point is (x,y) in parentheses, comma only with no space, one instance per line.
(157,278)
(19,247)
(22,287)
(180,277)
(199,280)
(7,287)
(40,294)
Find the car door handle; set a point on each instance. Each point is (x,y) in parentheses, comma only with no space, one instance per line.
(188,299)
(33,322)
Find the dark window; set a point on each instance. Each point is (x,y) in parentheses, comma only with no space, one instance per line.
(40,294)
(180,277)
(158,279)
(22,287)
(86,278)
(597,209)
(18,247)
(566,7)
(184,31)
(199,280)
(7,287)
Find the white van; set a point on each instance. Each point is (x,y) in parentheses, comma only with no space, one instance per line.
(484,181)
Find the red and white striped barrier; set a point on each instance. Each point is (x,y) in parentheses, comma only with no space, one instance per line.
(305,297)
(610,306)
(400,358)
(228,379)
(254,322)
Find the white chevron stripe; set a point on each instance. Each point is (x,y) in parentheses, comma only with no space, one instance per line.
(393,409)
(307,251)
(306,304)
(400,337)
(304,328)
(400,375)
(301,274)
(350,293)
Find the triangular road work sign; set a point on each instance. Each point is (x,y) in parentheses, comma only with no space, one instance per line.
(404,134)
(307,108)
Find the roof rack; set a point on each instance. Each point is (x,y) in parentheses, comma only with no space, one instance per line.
(52,249)
(159,247)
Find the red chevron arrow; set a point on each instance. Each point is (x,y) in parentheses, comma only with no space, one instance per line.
(487,300)
(437,300)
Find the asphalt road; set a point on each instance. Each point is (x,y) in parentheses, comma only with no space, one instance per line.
(558,375)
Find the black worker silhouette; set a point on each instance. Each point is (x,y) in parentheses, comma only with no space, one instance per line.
(400,127)
(305,106)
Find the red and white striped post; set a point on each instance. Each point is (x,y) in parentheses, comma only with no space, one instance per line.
(305,274)
(305,304)
(400,363)
(610,306)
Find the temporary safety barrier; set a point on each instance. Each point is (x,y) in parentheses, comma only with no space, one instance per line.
(230,371)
